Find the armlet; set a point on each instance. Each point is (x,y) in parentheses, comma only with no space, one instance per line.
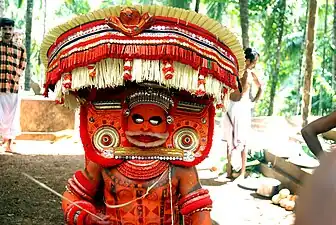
(75,215)
(81,186)
(195,201)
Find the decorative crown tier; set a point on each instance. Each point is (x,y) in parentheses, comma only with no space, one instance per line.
(150,96)
(181,49)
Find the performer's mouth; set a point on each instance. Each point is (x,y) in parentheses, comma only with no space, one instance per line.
(146,138)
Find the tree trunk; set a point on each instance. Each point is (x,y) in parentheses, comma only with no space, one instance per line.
(308,78)
(2,8)
(198,2)
(300,76)
(334,44)
(323,59)
(244,21)
(275,79)
(29,19)
(42,78)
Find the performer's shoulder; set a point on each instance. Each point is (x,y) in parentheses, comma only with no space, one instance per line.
(183,170)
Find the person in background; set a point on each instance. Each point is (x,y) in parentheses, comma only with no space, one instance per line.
(319,126)
(237,120)
(12,64)
(317,198)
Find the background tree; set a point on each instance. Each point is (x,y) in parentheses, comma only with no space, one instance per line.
(244,22)
(300,74)
(2,8)
(273,35)
(29,21)
(309,62)
(180,4)
(334,56)
(216,9)
(197,5)
(320,108)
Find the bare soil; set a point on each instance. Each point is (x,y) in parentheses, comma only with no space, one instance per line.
(24,202)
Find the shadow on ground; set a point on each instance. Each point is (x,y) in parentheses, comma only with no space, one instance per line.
(212,182)
(214,223)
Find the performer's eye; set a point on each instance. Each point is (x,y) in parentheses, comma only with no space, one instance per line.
(137,119)
(155,120)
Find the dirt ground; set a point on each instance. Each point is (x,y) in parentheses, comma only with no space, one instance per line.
(22,202)
(25,203)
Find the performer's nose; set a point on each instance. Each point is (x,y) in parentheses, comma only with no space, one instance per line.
(145,126)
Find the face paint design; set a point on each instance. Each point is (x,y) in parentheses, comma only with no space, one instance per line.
(147,126)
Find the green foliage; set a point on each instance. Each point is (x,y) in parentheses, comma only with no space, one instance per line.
(259,5)
(19,3)
(76,7)
(256,155)
(215,9)
(180,4)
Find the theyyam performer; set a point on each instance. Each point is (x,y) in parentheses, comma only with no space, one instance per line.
(147,80)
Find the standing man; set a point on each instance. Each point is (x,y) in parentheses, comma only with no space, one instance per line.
(12,64)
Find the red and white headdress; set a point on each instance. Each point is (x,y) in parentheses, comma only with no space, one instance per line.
(174,48)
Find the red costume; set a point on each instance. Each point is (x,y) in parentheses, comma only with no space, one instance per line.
(146,79)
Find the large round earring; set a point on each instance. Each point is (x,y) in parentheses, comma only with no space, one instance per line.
(170,119)
(127,112)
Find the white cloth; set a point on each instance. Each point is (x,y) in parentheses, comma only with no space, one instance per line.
(9,115)
(237,126)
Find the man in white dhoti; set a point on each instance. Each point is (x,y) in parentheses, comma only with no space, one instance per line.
(12,64)
(237,120)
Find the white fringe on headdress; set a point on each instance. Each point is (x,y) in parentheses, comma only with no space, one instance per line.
(81,78)
(109,73)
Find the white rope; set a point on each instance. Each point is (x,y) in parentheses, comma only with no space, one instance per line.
(171,195)
(138,198)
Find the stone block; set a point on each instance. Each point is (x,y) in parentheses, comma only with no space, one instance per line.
(39,114)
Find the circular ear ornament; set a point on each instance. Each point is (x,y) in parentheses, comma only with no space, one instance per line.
(106,137)
(127,112)
(170,119)
(186,139)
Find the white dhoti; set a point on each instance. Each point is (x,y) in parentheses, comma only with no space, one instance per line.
(237,126)
(9,115)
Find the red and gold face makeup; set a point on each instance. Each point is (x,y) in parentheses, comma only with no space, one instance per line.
(146,126)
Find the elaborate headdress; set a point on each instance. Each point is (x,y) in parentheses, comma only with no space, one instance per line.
(187,53)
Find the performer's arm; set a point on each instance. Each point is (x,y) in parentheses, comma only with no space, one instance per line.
(258,85)
(195,201)
(317,200)
(321,125)
(81,189)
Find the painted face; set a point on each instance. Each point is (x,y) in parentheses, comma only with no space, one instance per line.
(7,33)
(147,126)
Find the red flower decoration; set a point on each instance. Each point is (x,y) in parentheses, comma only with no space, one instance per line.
(67,85)
(127,76)
(200,93)
(219,106)
(169,76)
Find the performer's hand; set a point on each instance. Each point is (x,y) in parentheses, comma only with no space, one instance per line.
(91,220)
